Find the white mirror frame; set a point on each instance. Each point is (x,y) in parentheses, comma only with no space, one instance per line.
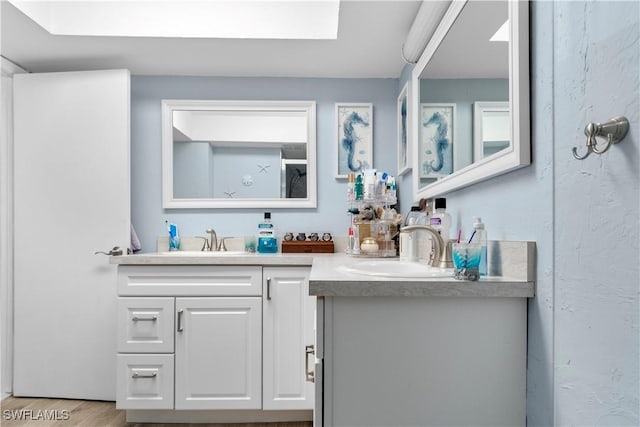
(168,199)
(519,153)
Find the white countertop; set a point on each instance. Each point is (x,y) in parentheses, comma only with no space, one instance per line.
(328,278)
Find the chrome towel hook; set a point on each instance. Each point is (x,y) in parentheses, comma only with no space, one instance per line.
(614,131)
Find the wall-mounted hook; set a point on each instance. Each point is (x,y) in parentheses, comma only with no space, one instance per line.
(614,131)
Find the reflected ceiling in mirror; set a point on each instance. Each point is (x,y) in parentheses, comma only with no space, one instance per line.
(465,86)
(233,154)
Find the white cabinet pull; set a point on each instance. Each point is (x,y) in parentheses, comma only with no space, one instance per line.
(144,319)
(309,350)
(151,375)
(180,329)
(268,288)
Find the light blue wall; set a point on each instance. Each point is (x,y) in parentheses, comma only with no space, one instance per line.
(193,160)
(583,347)
(597,220)
(148,216)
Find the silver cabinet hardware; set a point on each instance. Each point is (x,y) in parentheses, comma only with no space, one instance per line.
(151,375)
(144,319)
(309,350)
(268,288)
(614,131)
(180,329)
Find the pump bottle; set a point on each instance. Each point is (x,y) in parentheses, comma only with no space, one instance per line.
(480,237)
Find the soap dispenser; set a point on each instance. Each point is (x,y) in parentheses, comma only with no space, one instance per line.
(479,236)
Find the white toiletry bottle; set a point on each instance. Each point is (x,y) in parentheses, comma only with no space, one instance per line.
(441,220)
(480,237)
(412,216)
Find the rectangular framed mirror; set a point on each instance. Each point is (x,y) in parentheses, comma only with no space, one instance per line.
(238,154)
(471,94)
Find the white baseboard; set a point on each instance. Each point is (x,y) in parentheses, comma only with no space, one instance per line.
(168,416)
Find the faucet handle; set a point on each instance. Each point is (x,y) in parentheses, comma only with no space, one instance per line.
(446,258)
(223,246)
(205,243)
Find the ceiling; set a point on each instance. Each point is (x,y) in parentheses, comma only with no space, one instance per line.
(370,37)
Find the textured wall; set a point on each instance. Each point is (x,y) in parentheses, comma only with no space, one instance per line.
(146,137)
(597,76)
(583,324)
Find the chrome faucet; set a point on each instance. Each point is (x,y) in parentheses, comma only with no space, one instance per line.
(212,243)
(441,249)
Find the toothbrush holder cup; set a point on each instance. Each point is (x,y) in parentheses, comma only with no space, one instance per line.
(466,260)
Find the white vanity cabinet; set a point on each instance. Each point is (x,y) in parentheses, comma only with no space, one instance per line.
(218,354)
(214,337)
(289,339)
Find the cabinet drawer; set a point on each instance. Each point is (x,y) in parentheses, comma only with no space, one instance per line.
(145,381)
(191,280)
(145,325)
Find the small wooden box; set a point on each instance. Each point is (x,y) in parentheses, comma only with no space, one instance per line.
(307,246)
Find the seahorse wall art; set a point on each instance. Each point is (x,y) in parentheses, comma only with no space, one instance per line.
(355,140)
(436,126)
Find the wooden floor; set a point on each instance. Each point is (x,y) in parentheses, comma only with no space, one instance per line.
(42,413)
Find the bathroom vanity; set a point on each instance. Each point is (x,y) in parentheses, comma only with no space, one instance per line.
(292,337)
(407,351)
(216,339)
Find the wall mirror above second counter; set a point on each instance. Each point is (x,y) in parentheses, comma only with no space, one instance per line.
(471,97)
(238,154)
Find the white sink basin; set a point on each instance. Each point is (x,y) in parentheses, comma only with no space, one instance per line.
(203,253)
(395,268)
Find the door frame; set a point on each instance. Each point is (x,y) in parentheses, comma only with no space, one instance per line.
(6,226)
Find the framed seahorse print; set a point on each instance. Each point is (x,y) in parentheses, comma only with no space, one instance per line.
(354,123)
(436,139)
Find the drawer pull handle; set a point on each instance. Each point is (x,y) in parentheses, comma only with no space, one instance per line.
(268,288)
(151,375)
(144,319)
(180,329)
(309,350)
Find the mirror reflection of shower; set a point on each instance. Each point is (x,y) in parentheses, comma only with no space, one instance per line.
(294,179)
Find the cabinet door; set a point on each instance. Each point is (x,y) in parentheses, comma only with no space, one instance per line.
(218,353)
(288,316)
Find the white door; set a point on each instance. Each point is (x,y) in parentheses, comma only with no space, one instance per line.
(71,163)
(218,353)
(288,319)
